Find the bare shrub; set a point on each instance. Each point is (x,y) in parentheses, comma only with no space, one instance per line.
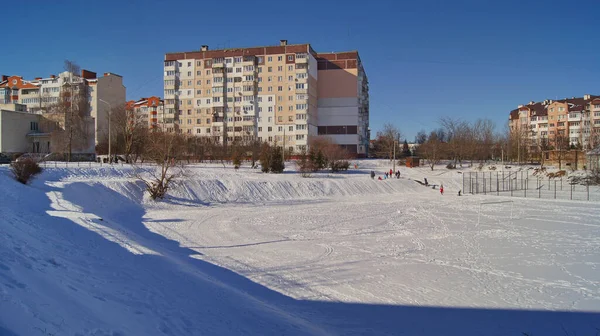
(25,169)
(163,149)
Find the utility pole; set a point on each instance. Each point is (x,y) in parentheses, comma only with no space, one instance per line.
(109,135)
(394,163)
(283,148)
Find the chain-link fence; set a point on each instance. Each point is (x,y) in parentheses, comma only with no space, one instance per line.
(523,184)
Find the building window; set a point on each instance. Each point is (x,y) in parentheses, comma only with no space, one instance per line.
(279,108)
(280,88)
(269,59)
(270,69)
(280,68)
(280,58)
(33,126)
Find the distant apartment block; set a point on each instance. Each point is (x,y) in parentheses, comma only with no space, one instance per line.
(575,119)
(40,94)
(148,112)
(282,94)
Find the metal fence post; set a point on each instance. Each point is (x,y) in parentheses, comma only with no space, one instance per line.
(587,186)
(484,185)
(548,183)
(510,186)
(476,182)
(571,192)
(554,189)
(490,181)
(540,192)
(497,187)
(525,191)
(561,183)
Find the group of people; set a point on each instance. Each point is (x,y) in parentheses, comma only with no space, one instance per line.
(391,173)
(386,175)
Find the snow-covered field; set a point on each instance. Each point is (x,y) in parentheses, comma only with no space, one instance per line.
(83,252)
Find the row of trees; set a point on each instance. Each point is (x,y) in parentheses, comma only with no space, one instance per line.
(461,141)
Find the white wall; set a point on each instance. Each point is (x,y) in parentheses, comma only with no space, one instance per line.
(338,111)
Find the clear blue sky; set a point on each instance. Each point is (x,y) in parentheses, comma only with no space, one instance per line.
(424,58)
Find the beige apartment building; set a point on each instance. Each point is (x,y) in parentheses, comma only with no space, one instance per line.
(40,94)
(283,94)
(577,120)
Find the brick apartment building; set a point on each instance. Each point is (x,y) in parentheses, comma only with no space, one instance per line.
(576,119)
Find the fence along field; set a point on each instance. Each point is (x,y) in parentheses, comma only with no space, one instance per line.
(529,184)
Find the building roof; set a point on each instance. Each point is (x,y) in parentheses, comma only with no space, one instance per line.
(575,104)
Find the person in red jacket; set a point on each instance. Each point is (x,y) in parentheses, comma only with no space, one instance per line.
(391,173)
(442,189)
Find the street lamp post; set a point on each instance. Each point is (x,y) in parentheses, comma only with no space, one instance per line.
(109,135)
(394,163)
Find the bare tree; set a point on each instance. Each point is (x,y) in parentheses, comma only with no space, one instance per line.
(432,150)
(129,133)
(561,148)
(72,113)
(387,140)
(163,149)
(421,137)
(458,133)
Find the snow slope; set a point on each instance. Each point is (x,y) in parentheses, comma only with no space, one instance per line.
(82,252)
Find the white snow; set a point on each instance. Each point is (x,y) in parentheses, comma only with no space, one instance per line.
(83,252)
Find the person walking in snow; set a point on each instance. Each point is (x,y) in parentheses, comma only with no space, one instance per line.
(442,189)
(391,173)
(372,175)
(426,183)
(379,178)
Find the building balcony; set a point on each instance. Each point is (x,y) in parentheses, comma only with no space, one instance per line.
(301,60)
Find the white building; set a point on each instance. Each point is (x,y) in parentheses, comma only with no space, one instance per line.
(39,94)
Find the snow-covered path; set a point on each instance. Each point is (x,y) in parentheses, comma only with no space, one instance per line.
(82,254)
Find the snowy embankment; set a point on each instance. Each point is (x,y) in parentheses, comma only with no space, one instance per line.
(82,252)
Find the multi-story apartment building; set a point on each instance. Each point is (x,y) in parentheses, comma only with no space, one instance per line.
(40,94)
(281,94)
(576,120)
(147,111)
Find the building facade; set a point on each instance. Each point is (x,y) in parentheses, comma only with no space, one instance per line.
(22,132)
(575,121)
(40,95)
(148,112)
(268,94)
